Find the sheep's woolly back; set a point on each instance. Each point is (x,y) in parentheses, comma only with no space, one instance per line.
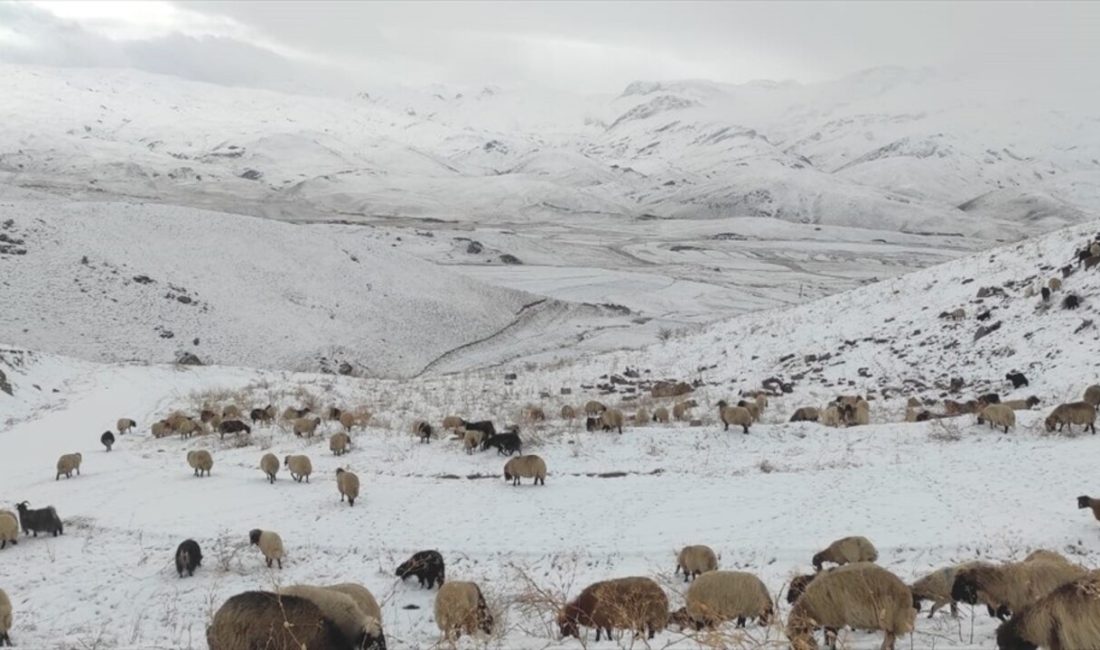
(526,467)
(624,603)
(999,415)
(339,442)
(9,527)
(1066,618)
(279,621)
(270,464)
(863,596)
(1042,554)
(306,425)
(848,550)
(697,558)
(364,599)
(69,462)
(338,607)
(735,415)
(568,413)
(456,607)
(348,484)
(299,465)
(1017,584)
(1072,413)
(5,613)
(612,418)
(594,408)
(200,459)
(271,545)
(452,422)
(719,596)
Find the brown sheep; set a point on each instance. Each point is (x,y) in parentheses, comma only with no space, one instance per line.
(261,619)
(861,595)
(681,410)
(460,608)
(1055,284)
(453,423)
(534,413)
(719,596)
(271,545)
(67,464)
(611,419)
(306,426)
(1022,404)
(1071,414)
(846,550)
(532,467)
(1066,618)
(636,604)
(752,407)
(338,444)
(348,485)
(936,587)
(348,421)
(695,560)
(998,415)
(1009,587)
(736,415)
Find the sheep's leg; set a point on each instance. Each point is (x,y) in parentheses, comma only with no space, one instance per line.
(746,427)
(269,563)
(740,621)
(830,638)
(280,563)
(954,610)
(888,641)
(598,631)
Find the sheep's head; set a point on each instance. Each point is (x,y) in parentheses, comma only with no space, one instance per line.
(22,506)
(286,462)
(965,588)
(1084,502)
(1008,638)
(722,404)
(680,618)
(818,560)
(254,536)
(507,475)
(374,639)
(567,622)
(798,587)
(1050,423)
(405,569)
(916,602)
(1032,401)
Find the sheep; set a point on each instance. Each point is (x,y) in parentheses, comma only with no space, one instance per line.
(1094,249)
(611,419)
(736,415)
(1055,284)
(1005,589)
(41,520)
(592,407)
(936,587)
(762,401)
(862,414)
(5,619)
(261,619)
(568,413)
(998,415)
(339,442)
(270,465)
(306,426)
(348,421)
(367,604)
(636,604)
(641,417)
(343,610)
(1045,293)
(1072,301)
(1017,378)
(206,416)
(231,412)
(424,430)
(1021,404)
(846,550)
(265,415)
(661,415)
(505,443)
(67,464)
(471,440)
(532,467)
(484,426)
(752,407)
(1088,502)
(1067,617)
(348,485)
(188,557)
(200,461)
(427,566)
(300,467)
(830,416)
(1092,395)
(806,414)
(953,408)
(957,314)
(291,413)
(160,429)
(234,427)
(333,413)
(460,608)
(107,440)
(9,529)
(1071,414)
(694,560)
(720,596)
(533,414)
(188,427)
(591,423)
(125,425)
(681,410)
(271,545)
(1091,261)
(861,595)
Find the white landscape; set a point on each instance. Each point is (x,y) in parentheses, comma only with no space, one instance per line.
(407,252)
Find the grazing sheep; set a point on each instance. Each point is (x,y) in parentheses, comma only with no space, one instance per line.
(270,465)
(594,408)
(161,429)
(806,414)
(506,443)
(1066,618)
(424,430)
(366,603)
(1055,284)
(67,464)
(339,442)
(271,545)
(348,484)
(641,417)
(1007,588)
(611,419)
(344,612)
(471,440)
(5,619)
(234,427)
(661,415)
(9,529)
(188,427)
(719,596)
(568,413)
(40,520)
(125,425)
(936,587)
(1088,502)
(762,401)
(682,410)
(231,412)
(300,467)
(107,440)
(846,550)
(862,595)
(636,604)
(261,619)
(1071,414)
(265,415)
(1072,301)
(1092,395)
(735,415)
(752,408)
(484,426)
(188,557)
(291,413)
(694,560)
(460,608)
(519,467)
(1021,404)
(427,566)
(306,426)
(831,417)
(998,415)
(1017,378)
(201,461)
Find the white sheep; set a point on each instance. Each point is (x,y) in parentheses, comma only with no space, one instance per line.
(300,467)
(68,464)
(348,485)
(270,465)
(201,461)
(271,545)
(339,442)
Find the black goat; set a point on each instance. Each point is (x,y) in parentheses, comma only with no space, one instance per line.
(484,426)
(188,557)
(108,439)
(505,443)
(1046,294)
(42,520)
(427,566)
(1071,302)
(1017,378)
(233,426)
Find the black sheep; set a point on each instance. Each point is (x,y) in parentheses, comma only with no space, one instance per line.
(506,443)
(233,426)
(258,415)
(427,566)
(424,430)
(484,426)
(591,424)
(108,439)
(1046,294)
(1071,302)
(989,398)
(42,520)
(188,557)
(1017,378)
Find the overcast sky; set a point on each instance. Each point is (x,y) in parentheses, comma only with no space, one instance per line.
(587,47)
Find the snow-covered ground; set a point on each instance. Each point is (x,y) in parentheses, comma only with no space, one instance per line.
(928,494)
